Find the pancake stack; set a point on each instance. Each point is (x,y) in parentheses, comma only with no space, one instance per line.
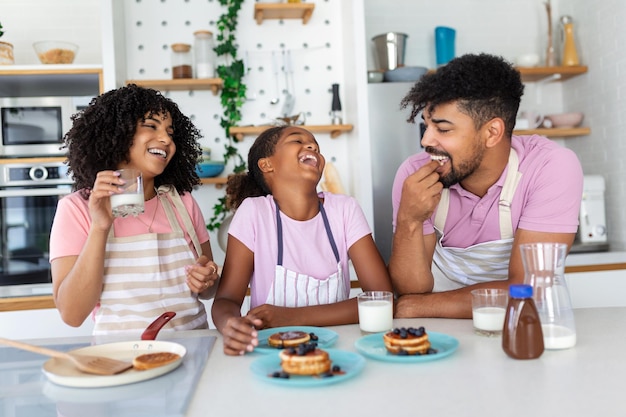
(306,359)
(288,339)
(407,341)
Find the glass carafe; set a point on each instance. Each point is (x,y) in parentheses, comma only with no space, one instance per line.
(544,270)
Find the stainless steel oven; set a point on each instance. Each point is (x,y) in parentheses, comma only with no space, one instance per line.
(29,194)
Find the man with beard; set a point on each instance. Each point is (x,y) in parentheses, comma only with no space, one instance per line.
(463,206)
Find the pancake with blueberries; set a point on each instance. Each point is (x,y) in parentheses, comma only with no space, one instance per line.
(288,339)
(408,341)
(305,359)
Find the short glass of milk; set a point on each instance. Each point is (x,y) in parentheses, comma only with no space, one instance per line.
(130,201)
(375,311)
(488,310)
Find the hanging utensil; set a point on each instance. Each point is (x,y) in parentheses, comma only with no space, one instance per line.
(276,99)
(290,100)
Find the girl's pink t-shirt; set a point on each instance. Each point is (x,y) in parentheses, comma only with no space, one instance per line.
(305,243)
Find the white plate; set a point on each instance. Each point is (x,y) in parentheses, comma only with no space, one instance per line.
(63,372)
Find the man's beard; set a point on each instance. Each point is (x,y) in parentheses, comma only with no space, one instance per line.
(464,169)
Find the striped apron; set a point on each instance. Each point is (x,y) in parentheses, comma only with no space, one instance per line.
(293,289)
(144,276)
(489,261)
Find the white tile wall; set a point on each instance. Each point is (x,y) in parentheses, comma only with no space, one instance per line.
(506,27)
(601,95)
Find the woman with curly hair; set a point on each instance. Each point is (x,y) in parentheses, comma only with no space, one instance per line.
(127,271)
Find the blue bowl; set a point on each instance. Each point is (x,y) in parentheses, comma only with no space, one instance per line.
(404,74)
(208,169)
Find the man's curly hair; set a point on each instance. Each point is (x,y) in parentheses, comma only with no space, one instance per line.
(102,134)
(484,86)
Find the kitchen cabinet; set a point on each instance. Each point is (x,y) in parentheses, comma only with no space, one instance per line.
(302,11)
(50,80)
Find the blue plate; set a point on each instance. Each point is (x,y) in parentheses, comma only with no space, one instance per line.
(326,337)
(350,363)
(373,347)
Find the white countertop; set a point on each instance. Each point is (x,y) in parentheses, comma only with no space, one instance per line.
(476,380)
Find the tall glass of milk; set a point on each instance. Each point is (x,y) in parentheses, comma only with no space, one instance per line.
(489,310)
(130,201)
(375,311)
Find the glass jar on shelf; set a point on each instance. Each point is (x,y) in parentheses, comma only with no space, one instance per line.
(181,61)
(204,54)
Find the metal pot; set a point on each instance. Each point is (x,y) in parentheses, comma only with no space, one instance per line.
(390,49)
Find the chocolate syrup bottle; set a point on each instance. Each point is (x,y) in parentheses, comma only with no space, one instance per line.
(522,337)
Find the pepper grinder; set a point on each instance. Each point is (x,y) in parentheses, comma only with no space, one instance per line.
(335,109)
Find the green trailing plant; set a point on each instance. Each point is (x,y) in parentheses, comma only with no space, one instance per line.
(1,32)
(233,95)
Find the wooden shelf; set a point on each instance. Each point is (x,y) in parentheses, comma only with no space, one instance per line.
(334,130)
(219,182)
(555,132)
(533,74)
(33,160)
(263,11)
(182,84)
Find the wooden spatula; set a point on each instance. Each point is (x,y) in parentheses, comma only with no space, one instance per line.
(90,364)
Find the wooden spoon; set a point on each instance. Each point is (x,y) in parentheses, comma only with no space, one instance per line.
(90,364)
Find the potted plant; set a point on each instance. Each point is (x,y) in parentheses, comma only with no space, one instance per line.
(233,95)
(6,51)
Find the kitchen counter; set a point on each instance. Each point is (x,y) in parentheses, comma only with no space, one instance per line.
(38,296)
(476,380)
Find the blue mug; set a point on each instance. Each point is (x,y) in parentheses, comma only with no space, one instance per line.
(444,44)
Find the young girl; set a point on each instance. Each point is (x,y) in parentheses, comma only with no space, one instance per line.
(291,244)
(128,271)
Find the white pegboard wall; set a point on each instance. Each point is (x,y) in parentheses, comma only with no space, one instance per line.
(315,49)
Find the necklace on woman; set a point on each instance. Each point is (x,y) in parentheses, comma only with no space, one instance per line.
(156,208)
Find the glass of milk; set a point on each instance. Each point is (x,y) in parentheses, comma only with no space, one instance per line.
(375,311)
(488,310)
(130,201)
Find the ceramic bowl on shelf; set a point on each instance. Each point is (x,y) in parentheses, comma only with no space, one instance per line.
(55,52)
(209,169)
(375,76)
(563,120)
(527,60)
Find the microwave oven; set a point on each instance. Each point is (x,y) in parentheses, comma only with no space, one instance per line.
(35,126)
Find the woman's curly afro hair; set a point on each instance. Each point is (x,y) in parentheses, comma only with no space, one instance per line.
(484,87)
(102,134)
